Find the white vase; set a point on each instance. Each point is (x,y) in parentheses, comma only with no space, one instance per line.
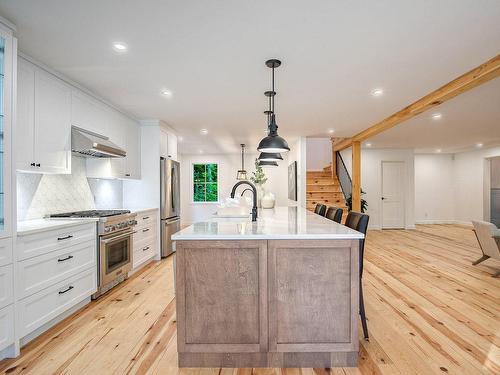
(268,200)
(260,194)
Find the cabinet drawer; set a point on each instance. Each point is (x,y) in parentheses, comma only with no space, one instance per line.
(5,251)
(143,251)
(6,285)
(42,271)
(6,326)
(41,243)
(141,234)
(147,219)
(41,307)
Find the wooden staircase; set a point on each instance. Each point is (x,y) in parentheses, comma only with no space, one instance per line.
(323,188)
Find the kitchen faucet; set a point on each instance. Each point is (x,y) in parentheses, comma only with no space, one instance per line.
(254,190)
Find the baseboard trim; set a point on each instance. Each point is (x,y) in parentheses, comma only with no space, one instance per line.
(460,222)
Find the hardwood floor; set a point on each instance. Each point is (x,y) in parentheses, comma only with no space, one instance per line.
(430,312)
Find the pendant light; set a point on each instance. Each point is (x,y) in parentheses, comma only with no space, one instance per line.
(273,142)
(270,156)
(242,173)
(268,163)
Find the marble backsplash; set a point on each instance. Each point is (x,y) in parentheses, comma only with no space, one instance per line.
(41,194)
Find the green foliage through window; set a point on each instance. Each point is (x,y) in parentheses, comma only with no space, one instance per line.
(205,185)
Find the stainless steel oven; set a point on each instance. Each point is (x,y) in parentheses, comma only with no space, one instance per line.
(115,253)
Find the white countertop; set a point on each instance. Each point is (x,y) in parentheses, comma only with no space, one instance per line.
(280,223)
(40,225)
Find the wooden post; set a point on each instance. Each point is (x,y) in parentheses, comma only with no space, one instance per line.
(334,160)
(356,176)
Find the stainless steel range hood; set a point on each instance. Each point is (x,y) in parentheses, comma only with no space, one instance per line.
(88,144)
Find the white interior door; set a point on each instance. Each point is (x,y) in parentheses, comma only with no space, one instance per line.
(393,195)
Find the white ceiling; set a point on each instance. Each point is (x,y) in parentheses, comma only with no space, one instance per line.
(211,55)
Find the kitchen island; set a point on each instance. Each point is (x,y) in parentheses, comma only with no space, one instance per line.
(279,292)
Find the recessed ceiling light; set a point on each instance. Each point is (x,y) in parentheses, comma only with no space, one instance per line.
(166,92)
(377,92)
(368,145)
(479,145)
(438,150)
(331,131)
(200,151)
(436,116)
(204,131)
(120,47)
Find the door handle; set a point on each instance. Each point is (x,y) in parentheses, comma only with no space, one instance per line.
(383,198)
(64,238)
(65,259)
(145,230)
(66,290)
(146,248)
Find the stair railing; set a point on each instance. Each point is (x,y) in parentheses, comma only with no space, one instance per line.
(343,176)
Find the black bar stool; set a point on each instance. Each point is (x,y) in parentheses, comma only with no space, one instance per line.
(334,213)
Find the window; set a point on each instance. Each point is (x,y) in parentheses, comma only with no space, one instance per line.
(205,183)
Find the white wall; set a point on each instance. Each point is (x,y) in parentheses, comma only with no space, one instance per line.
(371,181)
(472,185)
(228,166)
(434,188)
(319,153)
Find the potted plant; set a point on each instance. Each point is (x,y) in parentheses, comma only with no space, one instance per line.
(259,179)
(364,204)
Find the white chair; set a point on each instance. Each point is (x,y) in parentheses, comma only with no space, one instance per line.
(488,236)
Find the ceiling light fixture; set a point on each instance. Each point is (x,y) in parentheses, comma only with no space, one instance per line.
(437,116)
(166,92)
(268,164)
(180,138)
(377,92)
(204,131)
(270,156)
(331,131)
(120,47)
(242,173)
(438,150)
(479,145)
(368,145)
(273,142)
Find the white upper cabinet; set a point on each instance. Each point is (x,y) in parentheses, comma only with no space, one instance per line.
(133,147)
(168,144)
(44,121)
(89,114)
(52,124)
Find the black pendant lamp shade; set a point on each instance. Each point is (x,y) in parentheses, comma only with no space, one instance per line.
(268,163)
(270,156)
(242,173)
(273,143)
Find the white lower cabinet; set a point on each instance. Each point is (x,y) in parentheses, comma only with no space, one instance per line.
(56,270)
(40,272)
(5,251)
(145,240)
(6,285)
(42,307)
(6,326)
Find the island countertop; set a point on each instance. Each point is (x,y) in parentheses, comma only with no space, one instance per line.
(280,223)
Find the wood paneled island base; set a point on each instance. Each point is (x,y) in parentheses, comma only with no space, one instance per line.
(268,303)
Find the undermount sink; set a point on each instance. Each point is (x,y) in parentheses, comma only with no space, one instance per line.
(237,212)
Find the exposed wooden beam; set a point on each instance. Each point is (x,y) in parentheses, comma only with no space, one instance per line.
(477,76)
(341,143)
(356,176)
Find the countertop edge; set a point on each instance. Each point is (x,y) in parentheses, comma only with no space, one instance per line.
(43,228)
(270,237)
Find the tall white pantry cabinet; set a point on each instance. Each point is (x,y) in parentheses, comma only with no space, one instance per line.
(8,56)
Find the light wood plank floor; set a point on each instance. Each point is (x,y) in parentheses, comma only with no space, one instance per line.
(429,311)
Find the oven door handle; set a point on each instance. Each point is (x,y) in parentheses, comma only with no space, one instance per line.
(112,239)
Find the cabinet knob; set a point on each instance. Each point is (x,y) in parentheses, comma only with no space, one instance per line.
(38,164)
(127,174)
(32,164)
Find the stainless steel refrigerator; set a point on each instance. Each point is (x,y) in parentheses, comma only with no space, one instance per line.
(170,203)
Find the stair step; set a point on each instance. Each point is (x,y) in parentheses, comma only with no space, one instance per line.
(323,188)
(322,181)
(337,202)
(319,173)
(324,194)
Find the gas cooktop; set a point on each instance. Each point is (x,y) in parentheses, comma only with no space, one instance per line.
(90,213)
